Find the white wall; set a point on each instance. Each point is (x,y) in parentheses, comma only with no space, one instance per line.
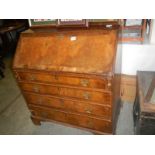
(139,56)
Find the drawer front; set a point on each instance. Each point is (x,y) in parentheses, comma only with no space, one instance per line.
(73,119)
(101,97)
(69,105)
(66,80)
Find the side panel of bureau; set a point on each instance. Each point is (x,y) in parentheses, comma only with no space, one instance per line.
(116,100)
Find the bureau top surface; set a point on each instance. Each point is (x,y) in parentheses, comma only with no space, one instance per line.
(81,51)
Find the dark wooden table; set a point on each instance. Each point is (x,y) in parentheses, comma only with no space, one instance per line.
(7,46)
(144,106)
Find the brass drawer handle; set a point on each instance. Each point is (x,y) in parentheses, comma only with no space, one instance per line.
(88,110)
(36,89)
(86,96)
(59,89)
(32,77)
(17,76)
(56,77)
(84,82)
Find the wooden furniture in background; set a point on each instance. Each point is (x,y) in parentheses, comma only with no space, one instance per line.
(131,29)
(68,76)
(9,32)
(144,106)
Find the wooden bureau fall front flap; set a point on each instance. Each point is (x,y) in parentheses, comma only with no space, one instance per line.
(68,76)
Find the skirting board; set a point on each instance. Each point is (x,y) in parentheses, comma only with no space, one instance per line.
(128,88)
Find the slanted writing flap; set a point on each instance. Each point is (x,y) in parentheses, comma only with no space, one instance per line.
(81,51)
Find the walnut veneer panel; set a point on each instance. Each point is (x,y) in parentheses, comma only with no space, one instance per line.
(84,51)
(90,108)
(57,90)
(100,83)
(72,118)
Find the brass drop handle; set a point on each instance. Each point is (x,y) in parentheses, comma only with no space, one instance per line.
(88,110)
(17,76)
(36,89)
(32,77)
(86,96)
(56,77)
(59,89)
(84,82)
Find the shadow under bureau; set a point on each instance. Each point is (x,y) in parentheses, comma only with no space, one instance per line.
(68,76)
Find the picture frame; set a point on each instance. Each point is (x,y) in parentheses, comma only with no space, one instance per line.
(72,22)
(42,22)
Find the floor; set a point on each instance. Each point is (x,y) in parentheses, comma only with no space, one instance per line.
(15,116)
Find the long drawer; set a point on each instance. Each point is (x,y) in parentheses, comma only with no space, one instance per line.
(72,118)
(88,95)
(103,83)
(69,105)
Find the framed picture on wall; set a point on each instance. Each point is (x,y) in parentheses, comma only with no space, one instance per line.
(42,22)
(72,22)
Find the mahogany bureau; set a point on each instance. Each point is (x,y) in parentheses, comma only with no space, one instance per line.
(68,76)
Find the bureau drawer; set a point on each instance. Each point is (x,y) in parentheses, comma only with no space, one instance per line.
(70,105)
(88,95)
(65,80)
(72,118)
